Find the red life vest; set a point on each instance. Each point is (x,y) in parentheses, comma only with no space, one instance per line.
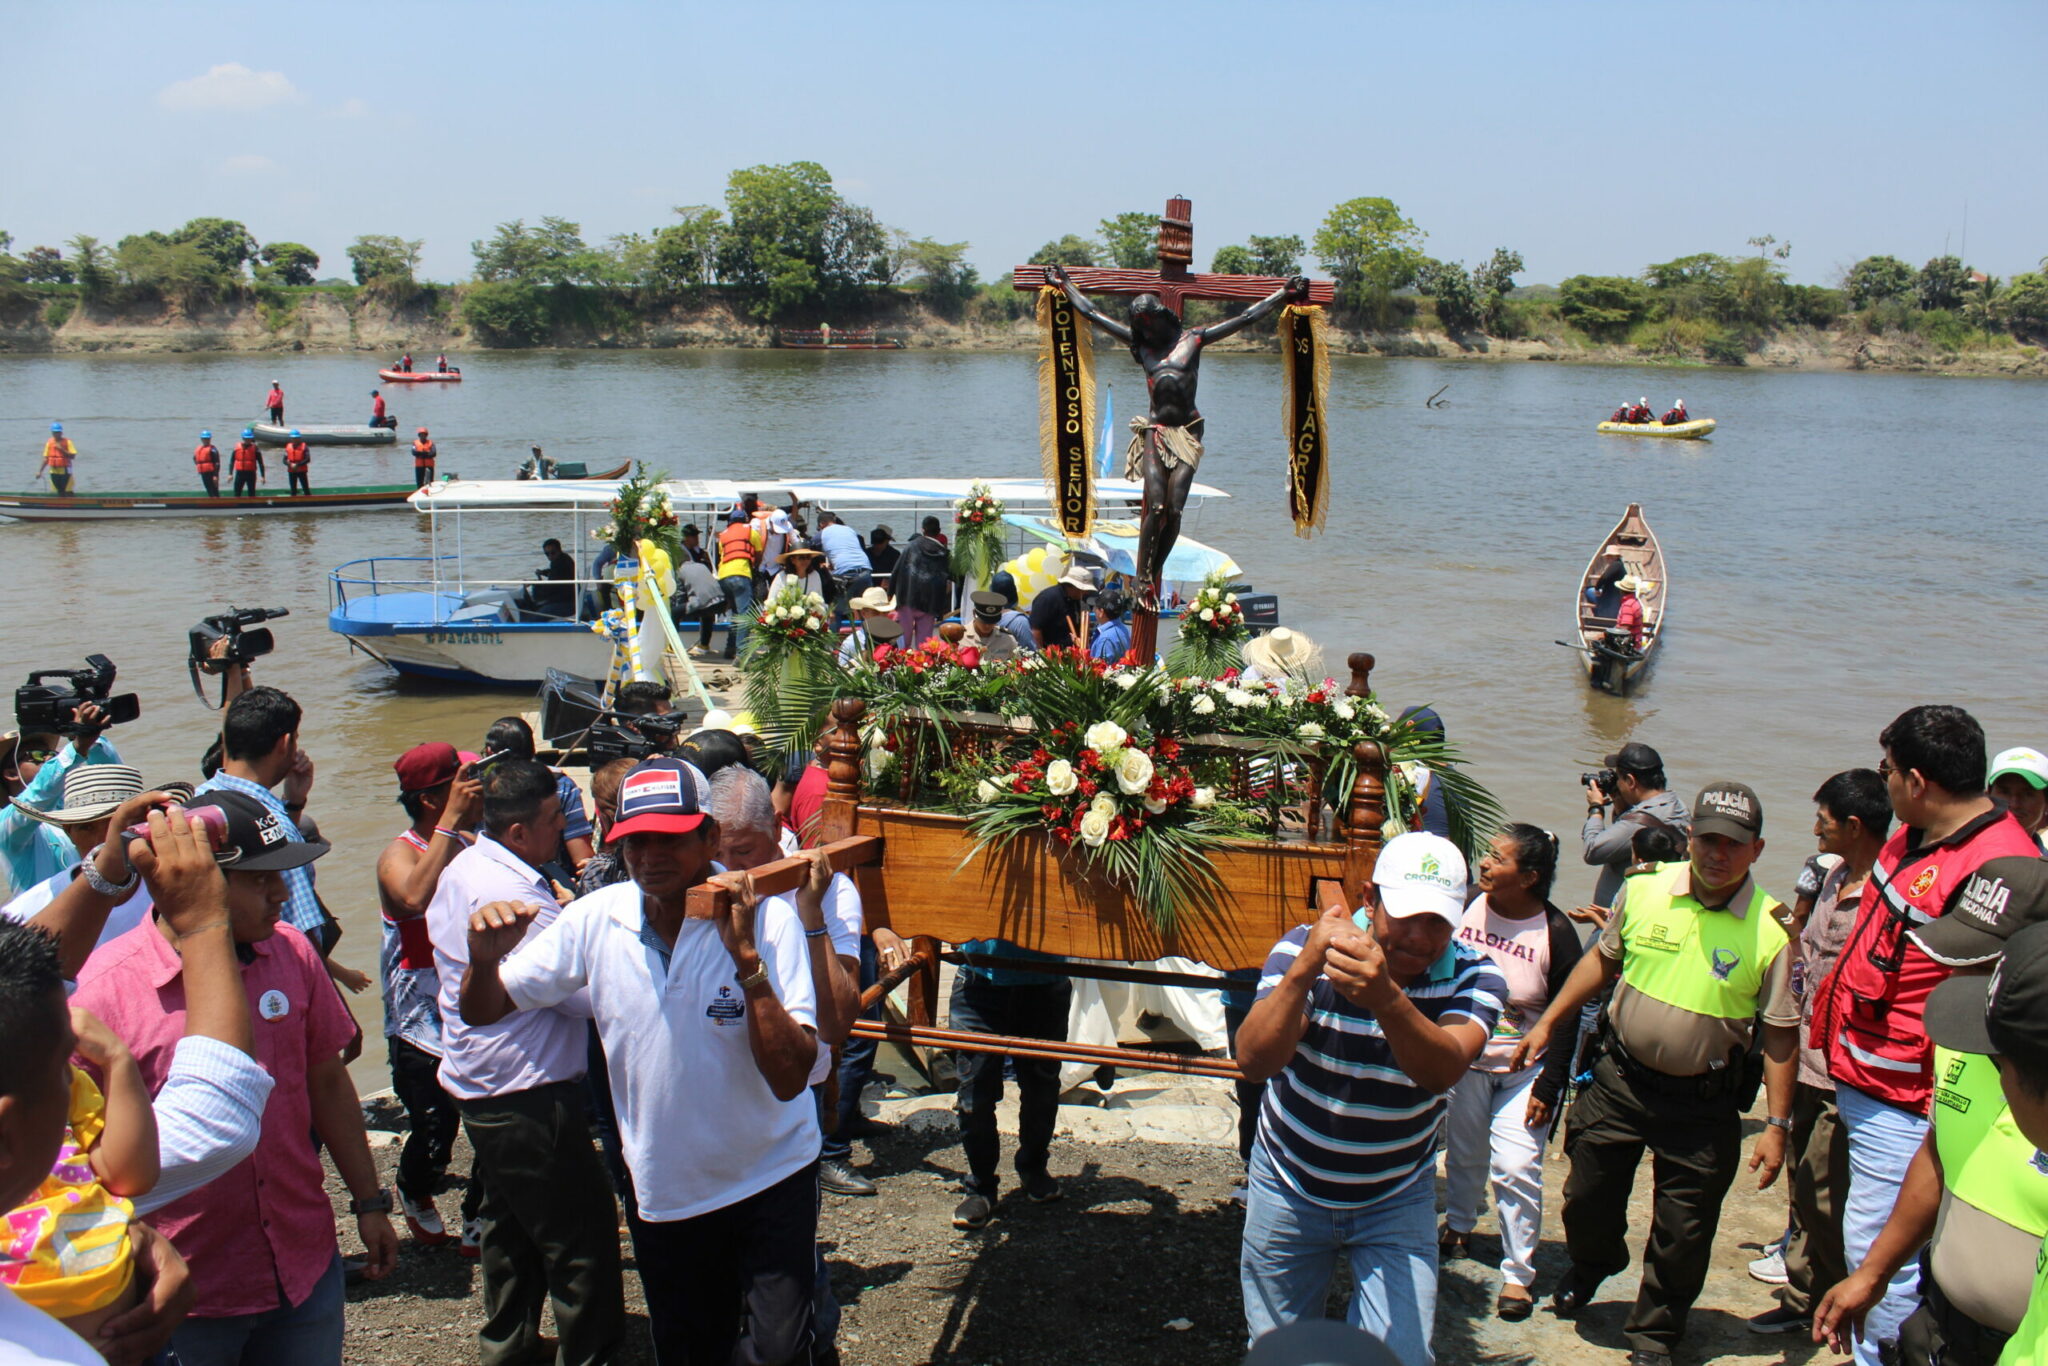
(206,456)
(298,457)
(247,457)
(736,542)
(423,455)
(57,450)
(1869,1017)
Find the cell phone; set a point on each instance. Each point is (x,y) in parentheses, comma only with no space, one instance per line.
(484,765)
(212,818)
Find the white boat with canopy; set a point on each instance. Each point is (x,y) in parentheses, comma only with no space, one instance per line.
(464,612)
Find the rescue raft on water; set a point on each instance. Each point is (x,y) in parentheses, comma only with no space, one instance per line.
(1681,431)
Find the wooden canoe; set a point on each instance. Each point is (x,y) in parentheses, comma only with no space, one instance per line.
(1681,431)
(270,435)
(1635,546)
(420,376)
(121,506)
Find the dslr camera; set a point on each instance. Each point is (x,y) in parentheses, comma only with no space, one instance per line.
(243,645)
(1605,780)
(52,708)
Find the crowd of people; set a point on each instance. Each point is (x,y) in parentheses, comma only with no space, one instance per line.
(590,988)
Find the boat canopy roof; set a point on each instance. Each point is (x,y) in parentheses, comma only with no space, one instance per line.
(550,494)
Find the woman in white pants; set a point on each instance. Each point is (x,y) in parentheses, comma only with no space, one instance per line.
(1500,1118)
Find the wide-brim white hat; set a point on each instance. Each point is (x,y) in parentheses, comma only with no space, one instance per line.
(91,792)
(1283,651)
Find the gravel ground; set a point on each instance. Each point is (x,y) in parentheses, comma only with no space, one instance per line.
(1136,1265)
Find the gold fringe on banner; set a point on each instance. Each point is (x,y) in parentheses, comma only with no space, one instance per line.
(1066,411)
(1305,349)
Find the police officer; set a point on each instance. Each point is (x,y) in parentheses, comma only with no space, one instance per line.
(1975,1188)
(1699,952)
(206,459)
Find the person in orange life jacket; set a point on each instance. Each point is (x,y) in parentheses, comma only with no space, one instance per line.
(444,798)
(247,461)
(441,364)
(376,408)
(274,400)
(298,464)
(1676,415)
(423,455)
(1867,1019)
(206,459)
(1974,1272)
(1629,615)
(58,453)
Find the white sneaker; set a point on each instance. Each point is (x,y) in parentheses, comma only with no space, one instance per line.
(1770,1268)
(472,1238)
(425,1222)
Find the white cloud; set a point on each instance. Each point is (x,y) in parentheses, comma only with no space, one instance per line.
(353,108)
(248,164)
(230,86)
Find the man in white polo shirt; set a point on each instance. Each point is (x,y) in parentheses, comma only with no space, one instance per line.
(550,1225)
(711,1032)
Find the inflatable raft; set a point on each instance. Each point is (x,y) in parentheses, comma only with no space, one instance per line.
(1683,431)
(325,436)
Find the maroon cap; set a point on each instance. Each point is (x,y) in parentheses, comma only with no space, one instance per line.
(426,766)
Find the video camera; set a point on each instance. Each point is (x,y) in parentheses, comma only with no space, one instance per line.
(243,645)
(50,708)
(613,736)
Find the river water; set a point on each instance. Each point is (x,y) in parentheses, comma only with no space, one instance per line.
(1847,545)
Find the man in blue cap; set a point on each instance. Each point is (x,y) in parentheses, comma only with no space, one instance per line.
(58,453)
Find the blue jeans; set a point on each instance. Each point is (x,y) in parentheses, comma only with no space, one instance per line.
(1290,1249)
(739,605)
(856,1064)
(1882,1141)
(306,1334)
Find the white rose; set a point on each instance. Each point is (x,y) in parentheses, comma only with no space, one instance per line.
(1204,704)
(1103,803)
(1232,599)
(1105,735)
(1095,827)
(1125,681)
(1208,614)
(985,791)
(1345,711)
(1309,730)
(1238,697)
(1153,807)
(1203,797)
(813,623)
(1134,772)
(1059,777)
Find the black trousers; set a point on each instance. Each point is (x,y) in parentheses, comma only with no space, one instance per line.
(301,481)
(1939,1334)
(422,475)
(551,1228)
(735,1285)
(1037,1011)
(1250,1094)
(276,414)
(245,483)
(212,482)
(1695,1147)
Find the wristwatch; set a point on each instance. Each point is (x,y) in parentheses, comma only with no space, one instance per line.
(380,1203)
(1778,1122)
(754,978)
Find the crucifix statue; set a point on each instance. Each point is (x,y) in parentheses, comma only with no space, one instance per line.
(1166,443)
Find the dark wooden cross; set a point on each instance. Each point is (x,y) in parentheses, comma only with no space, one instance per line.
(1173,282)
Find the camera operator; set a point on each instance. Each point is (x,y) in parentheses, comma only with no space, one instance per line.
(1638,797)
(32,770)
(260,751)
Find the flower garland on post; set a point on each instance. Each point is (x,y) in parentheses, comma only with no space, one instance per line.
(977,536)
(788,664)
(1212,633)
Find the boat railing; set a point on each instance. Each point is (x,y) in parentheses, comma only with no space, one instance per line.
(379,575)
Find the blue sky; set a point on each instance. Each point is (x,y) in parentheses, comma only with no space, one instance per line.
(1845,129)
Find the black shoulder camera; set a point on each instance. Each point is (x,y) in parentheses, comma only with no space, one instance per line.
(52,708)
(244,645)
(614,736)
(1606,780)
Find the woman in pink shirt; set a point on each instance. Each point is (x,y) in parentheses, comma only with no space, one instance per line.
(1499,1117)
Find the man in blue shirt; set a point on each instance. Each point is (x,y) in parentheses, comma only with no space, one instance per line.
(1111,639)
(852,573)
(1362,1024)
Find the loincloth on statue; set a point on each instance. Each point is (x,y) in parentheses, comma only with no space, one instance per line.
(1174,445)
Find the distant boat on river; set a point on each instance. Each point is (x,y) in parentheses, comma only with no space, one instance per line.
(829,338)
(1613,660)
(271,434)
(1682,431)
(125,506)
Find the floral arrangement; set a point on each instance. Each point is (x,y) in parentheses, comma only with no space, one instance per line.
(641,511)
(1212,632)
(788,660)
(977,535)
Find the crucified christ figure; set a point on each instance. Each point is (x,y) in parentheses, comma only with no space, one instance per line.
(1166,444)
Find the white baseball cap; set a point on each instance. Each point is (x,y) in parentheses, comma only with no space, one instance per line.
(2027,762)
(1421,874)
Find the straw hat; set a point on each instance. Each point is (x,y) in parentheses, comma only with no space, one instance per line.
(1629,583)
(91,792)
(875,599)
(1281,651)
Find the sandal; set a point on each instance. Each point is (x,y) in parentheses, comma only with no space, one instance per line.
(1514,1308)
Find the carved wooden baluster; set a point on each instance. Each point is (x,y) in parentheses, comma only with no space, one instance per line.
(1365,814)
(842,749)
(1361,675)
(952,632)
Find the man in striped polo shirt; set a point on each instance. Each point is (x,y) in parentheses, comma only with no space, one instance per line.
(1363,1024)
